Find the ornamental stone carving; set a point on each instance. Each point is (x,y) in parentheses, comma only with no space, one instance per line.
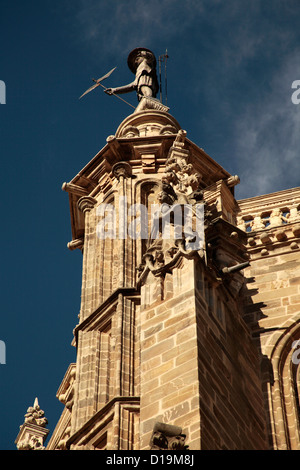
(33,431)
(179,187)
(35,415)
(86,203)
(179,182)
(122,169)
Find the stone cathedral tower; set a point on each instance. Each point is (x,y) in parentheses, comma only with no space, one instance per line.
(179,344)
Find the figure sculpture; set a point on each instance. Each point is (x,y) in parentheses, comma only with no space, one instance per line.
(142,63)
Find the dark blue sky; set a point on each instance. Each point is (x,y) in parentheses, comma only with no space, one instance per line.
(230,70)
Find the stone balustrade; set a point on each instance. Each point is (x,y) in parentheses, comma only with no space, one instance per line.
(276,217)
(260,218)
(272,222)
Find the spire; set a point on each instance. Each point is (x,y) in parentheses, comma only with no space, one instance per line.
(33,431)
(36,403)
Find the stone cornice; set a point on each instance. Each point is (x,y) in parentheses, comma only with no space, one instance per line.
(279,198)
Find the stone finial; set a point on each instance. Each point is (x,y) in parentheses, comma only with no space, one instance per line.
(35,415)
(33,431)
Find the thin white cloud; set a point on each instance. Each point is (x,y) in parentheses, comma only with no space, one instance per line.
(112,27)
(267,138)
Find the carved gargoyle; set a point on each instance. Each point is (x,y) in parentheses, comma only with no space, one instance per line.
(167,437)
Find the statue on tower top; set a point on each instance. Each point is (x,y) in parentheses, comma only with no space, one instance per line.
(142,63)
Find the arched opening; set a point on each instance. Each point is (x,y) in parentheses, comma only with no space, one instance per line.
(285,387)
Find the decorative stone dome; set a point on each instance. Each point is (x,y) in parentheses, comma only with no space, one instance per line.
(149,122)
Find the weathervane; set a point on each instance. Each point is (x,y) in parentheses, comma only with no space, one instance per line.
(98,83)
(141,61)
(163,59)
